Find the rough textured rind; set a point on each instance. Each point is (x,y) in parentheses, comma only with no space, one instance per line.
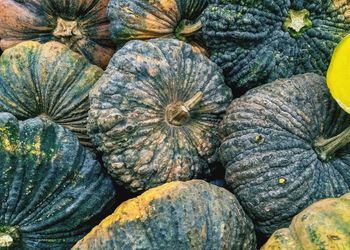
(50,81)
(177,215)
(52,189)
(267,150)
(38,19)
(147,19)
(248,41)
(323,225)
(127,115)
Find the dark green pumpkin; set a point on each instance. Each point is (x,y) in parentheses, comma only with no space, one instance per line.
(271,151)
(176,215)
(80,24)
(258,41)
(53,191)
(49,81)
(154,113)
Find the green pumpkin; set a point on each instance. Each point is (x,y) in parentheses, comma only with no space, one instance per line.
(155,112)
(53,191)
(258,41)
(47,80)
(176,215)
(323,225)
(82,25)
(274,149)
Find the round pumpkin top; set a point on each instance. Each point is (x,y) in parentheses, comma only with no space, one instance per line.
(177,215)
(49,81)
(338,74)
(147,19)
(323,225)
(272,149)
(258,41)
(155,112)
(53,191)
(80,24)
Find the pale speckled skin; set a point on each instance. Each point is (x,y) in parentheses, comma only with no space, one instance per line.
(267,150)
(127,116)
(52,189)
(177,215)
(48,80)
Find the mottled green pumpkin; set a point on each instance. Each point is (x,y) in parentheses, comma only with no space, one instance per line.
(82,25)
(53,191)
(155,112)
(274,153)
(147,19)
(176,215)
(49,81)
(258,41)
(323,225)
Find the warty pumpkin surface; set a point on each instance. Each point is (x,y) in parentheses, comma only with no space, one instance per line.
(258,41)
(323,225)
(147,19)
(154,113)
(82,25)
(53,191)
(272,149)
(176,215)
(48,80)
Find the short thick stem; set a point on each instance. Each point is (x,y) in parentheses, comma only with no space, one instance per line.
(66,29)
(187,29)
(9,237)
(179,113)
(326,148)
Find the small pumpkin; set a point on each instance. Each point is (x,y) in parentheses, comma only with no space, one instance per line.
(155,112)
(258,41)
(275,150)
(79,24)
(53,191)
(147,19)
(323,225)
(177,215)
(47,80)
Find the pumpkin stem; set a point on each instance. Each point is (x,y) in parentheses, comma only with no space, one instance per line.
(178,113)
(326,148)
(186,29)
(9,237)
(66,30)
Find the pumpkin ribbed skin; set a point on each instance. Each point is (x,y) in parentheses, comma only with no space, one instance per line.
(250,42)
(323,225)
(268,149)
(147,19)
(53,191)
(50,81)
(80,24)
(127,118)
(177,215)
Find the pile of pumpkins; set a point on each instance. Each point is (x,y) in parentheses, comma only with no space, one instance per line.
(119,117)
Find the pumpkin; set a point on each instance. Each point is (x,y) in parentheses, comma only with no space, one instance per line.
(53,191)
(147,19)
(276,153)
(82,25)
(155,112)
(49,81)
(323,225)
(176,215)
(258,41)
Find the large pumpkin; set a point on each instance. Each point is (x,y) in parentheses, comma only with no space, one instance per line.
(155,112)
(177,215)
(274,153)
(49,81)
(258,41)
(80,24)
(323,225)
(147,19)
(53,191)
